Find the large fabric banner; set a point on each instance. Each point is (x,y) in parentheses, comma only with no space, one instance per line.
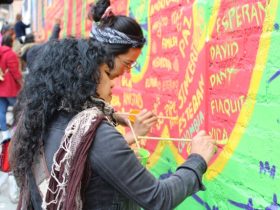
(209,65)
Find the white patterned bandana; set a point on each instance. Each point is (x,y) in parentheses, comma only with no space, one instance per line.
(112,36)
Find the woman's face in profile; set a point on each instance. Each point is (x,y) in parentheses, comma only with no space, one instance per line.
(106,84)
(123,63)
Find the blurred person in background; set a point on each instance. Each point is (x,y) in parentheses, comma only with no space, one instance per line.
(29,42)
(7,29)
(20,28)
(10,84)
(20,32)
(56,29)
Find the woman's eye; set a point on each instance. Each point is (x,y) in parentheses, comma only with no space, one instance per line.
(110,75)
(128,64)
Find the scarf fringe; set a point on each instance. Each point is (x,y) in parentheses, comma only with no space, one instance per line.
(69,162)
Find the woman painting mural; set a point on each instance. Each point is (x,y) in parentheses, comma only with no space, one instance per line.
(67,153)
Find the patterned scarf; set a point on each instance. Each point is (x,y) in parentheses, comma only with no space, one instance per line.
(112,36)
(63,189)
(70,167)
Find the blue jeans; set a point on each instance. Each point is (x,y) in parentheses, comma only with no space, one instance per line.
(4,103)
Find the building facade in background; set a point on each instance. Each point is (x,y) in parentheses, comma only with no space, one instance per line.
(9,11)
(42,14)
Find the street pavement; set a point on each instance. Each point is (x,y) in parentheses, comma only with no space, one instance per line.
(5,202)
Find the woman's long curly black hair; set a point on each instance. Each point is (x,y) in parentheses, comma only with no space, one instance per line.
(64,75)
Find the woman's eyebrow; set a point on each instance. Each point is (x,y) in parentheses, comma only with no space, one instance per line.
(128,60)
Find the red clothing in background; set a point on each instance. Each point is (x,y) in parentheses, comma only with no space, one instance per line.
(9,64)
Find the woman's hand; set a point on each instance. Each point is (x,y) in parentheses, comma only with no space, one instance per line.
(144,122)
(203,145)
(142,125)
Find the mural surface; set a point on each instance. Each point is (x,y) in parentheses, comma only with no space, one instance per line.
(210,65)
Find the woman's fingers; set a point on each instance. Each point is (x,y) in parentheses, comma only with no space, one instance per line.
(150,121)
(144,115)
(200,133)
(144,121)
(203,145)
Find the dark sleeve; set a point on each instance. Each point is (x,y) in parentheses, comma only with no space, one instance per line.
(55,32)
(23,55)
(25,26)
(115,162)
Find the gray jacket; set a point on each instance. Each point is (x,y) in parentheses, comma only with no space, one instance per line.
(118,180)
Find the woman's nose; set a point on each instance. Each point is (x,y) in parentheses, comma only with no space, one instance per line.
(112,83)
(127,70)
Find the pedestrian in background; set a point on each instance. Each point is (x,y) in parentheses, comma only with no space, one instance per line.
(56,29)
(29,42)
(20,31)
(7,29)
(20,28)
(10,84)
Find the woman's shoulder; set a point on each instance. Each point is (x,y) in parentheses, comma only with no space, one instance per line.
(60,120)
(106,128)
(106,134)
(7,53)
(4,50)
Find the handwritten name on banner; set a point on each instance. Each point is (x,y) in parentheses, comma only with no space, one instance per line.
(240,16)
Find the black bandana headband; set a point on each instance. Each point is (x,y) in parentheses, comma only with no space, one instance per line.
(112,36)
